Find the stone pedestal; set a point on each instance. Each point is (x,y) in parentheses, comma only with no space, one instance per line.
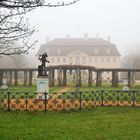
(42,86)
(4,84)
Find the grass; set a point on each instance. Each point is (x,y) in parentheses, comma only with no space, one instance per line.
(83,88)
(30,89)
(104,123)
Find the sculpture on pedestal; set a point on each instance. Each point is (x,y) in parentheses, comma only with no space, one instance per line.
(42,68)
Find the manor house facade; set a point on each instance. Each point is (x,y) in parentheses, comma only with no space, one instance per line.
(95,52)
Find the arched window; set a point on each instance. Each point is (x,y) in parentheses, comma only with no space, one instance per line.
(77,60)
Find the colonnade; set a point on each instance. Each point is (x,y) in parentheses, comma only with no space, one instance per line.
(59,75)
(14,76)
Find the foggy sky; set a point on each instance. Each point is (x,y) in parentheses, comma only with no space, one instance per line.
(119,19)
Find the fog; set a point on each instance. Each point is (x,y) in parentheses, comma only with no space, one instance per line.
(119,19)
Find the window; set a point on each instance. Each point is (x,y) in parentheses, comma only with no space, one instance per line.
(58,60)
(114,60)
(96,60)
(70,60)
(96,51)
(52,60)
(77,60)
(64,60)
(108,60)
(90,60)
(102,60)
(83,60)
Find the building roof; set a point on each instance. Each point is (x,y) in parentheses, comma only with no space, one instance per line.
(88,46)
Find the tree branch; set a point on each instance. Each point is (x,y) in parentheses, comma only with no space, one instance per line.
(15,27)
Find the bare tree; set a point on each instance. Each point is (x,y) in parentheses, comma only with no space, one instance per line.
(132,61)
(15,27)
(19,61)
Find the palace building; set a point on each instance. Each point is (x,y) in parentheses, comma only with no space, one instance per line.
(95,52)
(82,51)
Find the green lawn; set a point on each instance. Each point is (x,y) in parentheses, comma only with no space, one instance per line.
(103,123)
(71,88)
(30,89)
(33,89)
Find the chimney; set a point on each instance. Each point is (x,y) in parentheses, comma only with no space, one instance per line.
(85,36)
(67,36)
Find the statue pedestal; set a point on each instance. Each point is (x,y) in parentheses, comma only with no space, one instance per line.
(42,86)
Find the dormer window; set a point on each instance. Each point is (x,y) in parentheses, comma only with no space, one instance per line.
(107,51)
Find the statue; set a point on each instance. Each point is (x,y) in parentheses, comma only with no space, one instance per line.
(42,68)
